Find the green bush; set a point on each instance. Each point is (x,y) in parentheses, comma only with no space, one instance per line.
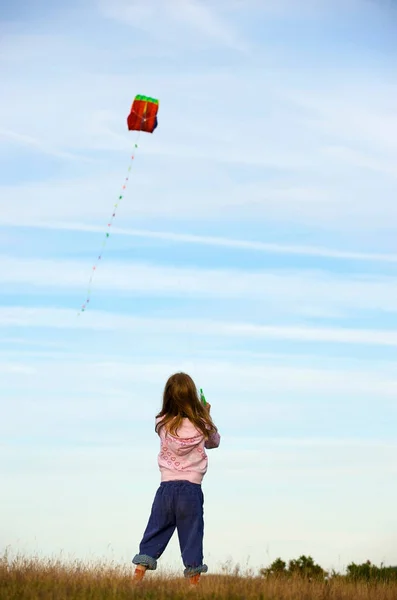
(303,567)
(369,572)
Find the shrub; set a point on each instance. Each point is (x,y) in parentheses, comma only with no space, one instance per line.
(304,567)
(369,572)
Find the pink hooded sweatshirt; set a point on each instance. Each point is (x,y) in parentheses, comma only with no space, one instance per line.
(184,457)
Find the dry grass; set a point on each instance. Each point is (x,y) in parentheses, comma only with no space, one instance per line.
(34,579)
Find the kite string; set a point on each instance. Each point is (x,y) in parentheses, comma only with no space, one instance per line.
(84,306)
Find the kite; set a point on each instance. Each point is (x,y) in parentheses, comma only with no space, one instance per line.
(142,117)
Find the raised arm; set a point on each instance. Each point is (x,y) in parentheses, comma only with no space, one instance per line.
(213,441)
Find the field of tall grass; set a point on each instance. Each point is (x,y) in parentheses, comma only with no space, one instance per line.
(38,579)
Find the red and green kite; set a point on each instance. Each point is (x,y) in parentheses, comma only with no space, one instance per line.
(143,115)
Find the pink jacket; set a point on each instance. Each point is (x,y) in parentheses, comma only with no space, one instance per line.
(184,457)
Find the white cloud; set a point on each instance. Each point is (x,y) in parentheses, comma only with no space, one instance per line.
(324,443)
(206,240)
(19,342)
(298,9)
(34,143)
(174,20)
(202,17)
(101,321)
(339,112)
(346,209)
(362,160)
(294,292)
(17,369)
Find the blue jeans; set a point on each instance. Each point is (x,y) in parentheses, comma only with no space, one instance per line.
(177,505)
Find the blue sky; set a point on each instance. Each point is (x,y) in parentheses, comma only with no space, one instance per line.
(255,248)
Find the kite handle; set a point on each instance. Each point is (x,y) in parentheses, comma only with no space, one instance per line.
(202,397)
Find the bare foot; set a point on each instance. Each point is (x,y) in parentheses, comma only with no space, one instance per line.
(139,574)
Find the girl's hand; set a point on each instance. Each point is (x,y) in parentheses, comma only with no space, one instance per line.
(207,406)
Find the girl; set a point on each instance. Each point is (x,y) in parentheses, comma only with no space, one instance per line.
(185,429)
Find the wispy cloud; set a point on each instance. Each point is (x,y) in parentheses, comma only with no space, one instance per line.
(362,160)
(169,20)
(292,8)
(373,120)
(65,319)
(17,369)
(206,240)
(203,18)
(90,374)
(284,288)
(34,143)
(91,198)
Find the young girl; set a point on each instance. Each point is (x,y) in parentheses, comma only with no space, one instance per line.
(185,429)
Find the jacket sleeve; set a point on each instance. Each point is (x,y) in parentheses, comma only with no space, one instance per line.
(213,441)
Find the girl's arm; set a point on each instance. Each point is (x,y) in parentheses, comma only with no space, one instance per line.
(213,441)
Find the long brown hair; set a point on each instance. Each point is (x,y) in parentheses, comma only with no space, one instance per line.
(180,400)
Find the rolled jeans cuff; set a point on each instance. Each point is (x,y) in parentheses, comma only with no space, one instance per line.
(145,561)
(189,571)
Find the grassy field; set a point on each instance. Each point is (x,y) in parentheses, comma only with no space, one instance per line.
(33,579)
